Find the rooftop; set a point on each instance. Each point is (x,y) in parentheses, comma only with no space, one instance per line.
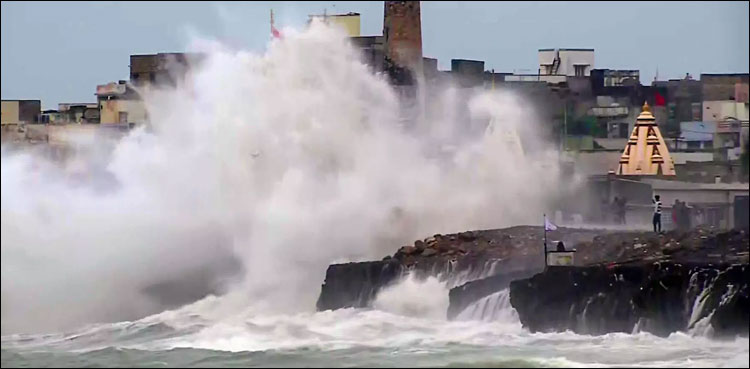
(566,49)
(661,184)
(697,131)
(350,14)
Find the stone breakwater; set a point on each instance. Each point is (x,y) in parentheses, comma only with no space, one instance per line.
(622,281)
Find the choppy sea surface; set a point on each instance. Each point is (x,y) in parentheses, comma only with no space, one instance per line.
(487,334)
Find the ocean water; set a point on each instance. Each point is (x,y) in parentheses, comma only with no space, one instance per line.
(486,334)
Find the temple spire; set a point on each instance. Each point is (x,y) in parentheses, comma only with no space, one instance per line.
(646,153)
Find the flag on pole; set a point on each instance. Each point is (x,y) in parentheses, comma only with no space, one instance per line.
(549,226)
(659,100)
(275,32)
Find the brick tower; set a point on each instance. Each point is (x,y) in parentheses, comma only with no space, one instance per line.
(402,31)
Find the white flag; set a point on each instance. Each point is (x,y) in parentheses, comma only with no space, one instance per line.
(549,226)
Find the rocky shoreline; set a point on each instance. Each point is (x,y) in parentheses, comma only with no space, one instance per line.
(621,282)
(453,258)
(660,298)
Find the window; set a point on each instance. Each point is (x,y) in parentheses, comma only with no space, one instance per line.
(580,70)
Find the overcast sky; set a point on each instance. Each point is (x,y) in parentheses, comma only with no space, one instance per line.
(60,51)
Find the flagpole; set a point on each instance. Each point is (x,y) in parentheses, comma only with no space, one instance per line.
(545,241)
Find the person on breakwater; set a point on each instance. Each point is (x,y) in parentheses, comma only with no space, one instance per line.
(657,213)
(560,247)
(675,213)
(620,209)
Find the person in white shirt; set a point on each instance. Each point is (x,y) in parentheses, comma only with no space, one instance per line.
(657,213)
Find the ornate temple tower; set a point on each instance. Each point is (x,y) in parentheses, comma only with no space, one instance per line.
(646,152)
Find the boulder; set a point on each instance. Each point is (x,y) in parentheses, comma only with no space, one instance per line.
(429,252)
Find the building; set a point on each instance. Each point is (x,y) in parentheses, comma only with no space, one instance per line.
(119,103)
(51,116)
(79,113)
(558,66)
(730,116)
(613,77)
(566,62)
(467,73)
(20,111)
(696,136)
(718,87)
(720,110)
(722,205)
(349,22)
(684,101)
(162,69)
(615,115)
(373,50)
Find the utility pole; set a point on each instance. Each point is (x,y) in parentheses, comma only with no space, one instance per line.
(565,123)
(545,241)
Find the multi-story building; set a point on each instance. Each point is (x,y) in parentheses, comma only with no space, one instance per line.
(348,22)
(120,104)
(726,104)
(566,62)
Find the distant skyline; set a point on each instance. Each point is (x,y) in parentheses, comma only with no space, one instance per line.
(59,51)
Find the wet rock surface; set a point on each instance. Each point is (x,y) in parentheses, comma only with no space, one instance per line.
(654,283)
(455,258)
(659,298)
(621,281)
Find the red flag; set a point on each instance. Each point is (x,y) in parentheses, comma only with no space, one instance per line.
(275,32)
(659,99)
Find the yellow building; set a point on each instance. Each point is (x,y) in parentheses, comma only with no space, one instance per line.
(349,22)
(20,111)
(119,104)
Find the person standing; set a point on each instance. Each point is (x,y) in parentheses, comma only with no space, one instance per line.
(676,211)
(616,210)
(657,213)
(622,209)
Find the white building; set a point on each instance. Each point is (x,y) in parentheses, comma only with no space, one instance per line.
(566,62)
(731,119)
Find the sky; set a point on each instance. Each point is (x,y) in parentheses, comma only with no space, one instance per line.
(59,51)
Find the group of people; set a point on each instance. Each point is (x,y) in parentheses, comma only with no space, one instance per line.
(680,214)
